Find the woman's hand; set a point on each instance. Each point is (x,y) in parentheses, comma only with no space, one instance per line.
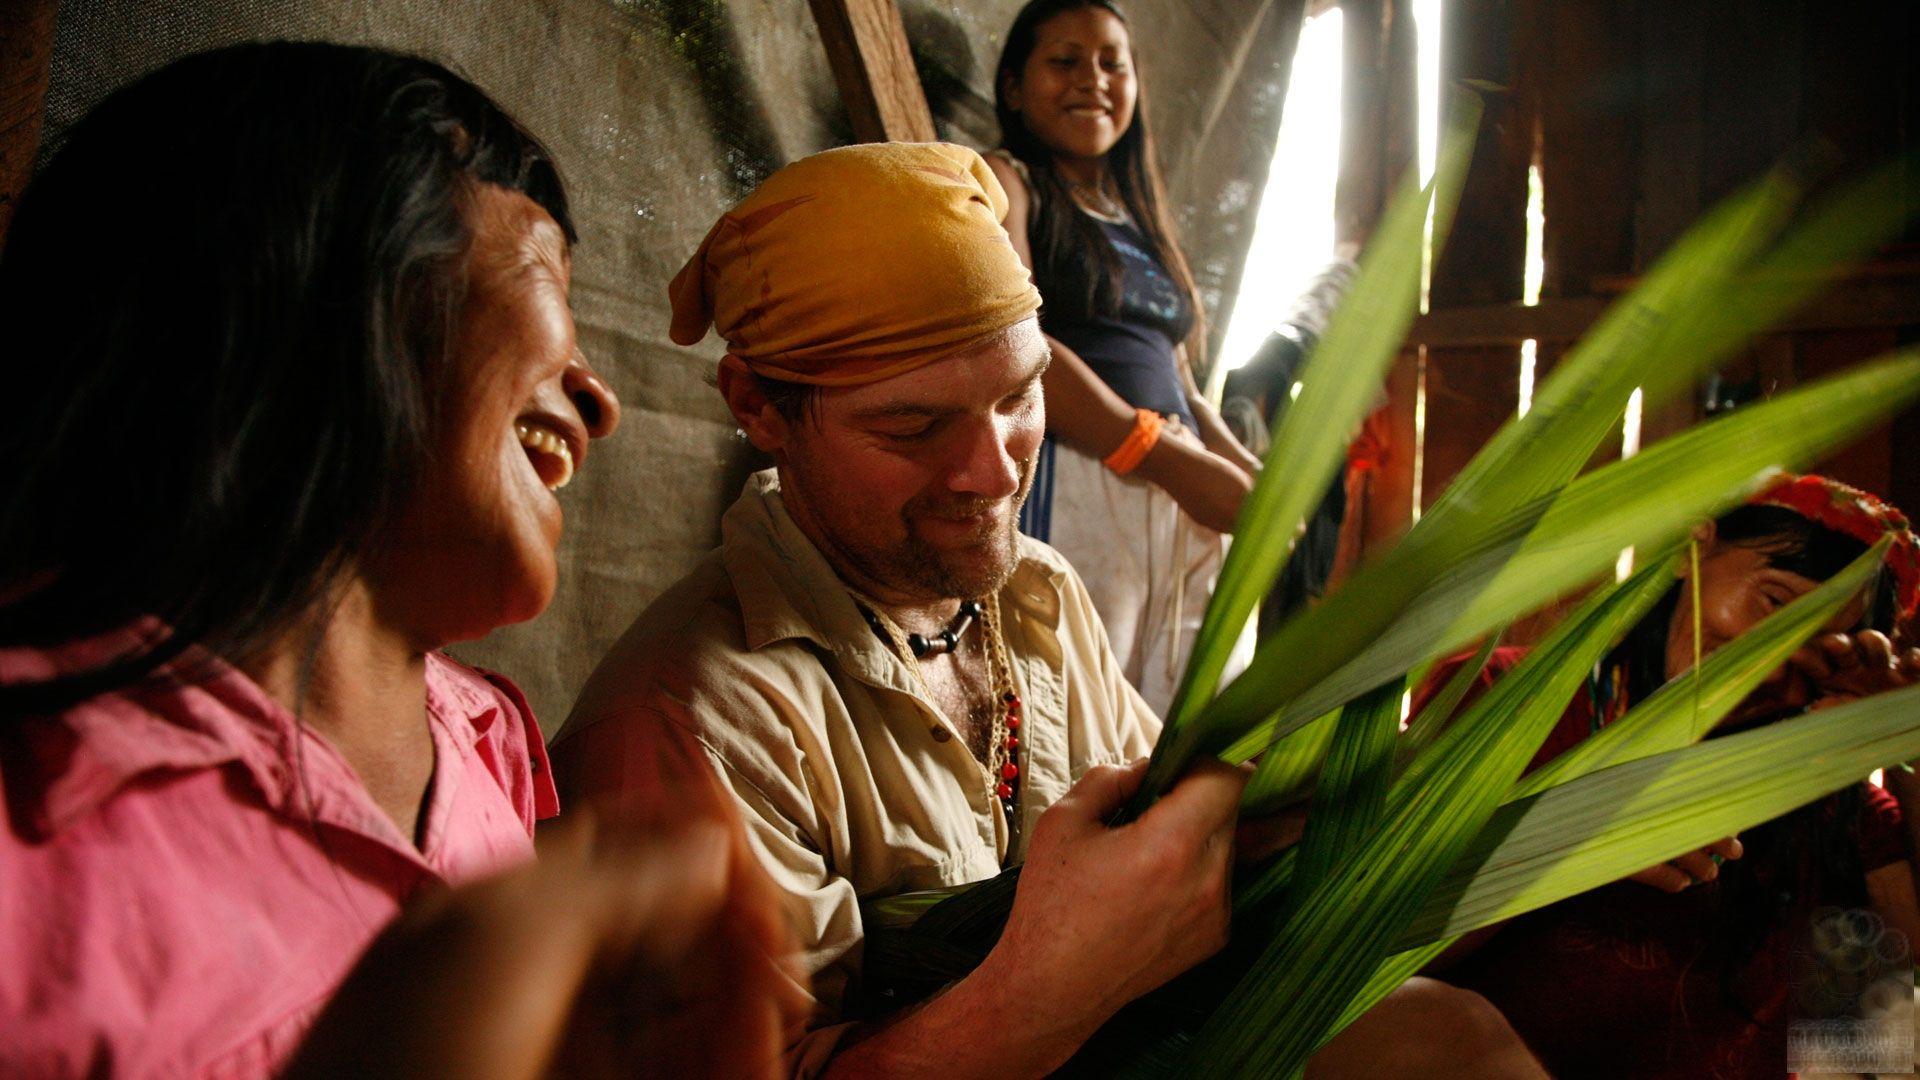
(1831,669)
(1207,486)
(620,950)
(1692,868)
(1847,667)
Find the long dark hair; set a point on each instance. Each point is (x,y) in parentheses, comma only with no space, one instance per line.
(1074,265)
(227,297)
(1807,857)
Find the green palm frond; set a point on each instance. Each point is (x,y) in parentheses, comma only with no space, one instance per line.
(1415,838)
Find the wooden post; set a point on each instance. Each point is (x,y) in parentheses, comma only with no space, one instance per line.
(26,46)
(867,48)
(1379,117)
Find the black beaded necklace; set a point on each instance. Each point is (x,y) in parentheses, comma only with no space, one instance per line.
(943,642)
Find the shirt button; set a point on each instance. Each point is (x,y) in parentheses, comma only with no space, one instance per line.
(941,734)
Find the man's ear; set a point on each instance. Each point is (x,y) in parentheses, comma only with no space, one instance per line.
(765,428)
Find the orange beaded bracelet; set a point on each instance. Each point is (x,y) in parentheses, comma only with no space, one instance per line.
(1139,442)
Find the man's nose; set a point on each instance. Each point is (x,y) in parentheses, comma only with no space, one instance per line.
(985,467)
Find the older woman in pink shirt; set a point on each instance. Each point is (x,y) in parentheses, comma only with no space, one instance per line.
(295,387)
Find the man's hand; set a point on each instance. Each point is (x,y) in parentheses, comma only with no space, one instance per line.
(1693,868)
(1104,914)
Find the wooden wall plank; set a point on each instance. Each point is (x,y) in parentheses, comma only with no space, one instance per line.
(26,47)
(1667,197)
(1589,140)
(1472,391)
(1751,66)
(1868,301)
(1867,462)
(867,47)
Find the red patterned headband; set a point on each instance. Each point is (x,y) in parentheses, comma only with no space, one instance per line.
(1852,512)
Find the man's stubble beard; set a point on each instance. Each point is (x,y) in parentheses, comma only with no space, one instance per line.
(916,566)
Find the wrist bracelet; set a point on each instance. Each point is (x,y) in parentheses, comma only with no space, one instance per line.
(1139,442)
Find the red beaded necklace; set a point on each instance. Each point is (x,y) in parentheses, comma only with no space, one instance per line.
(1004,755)
(1003,740)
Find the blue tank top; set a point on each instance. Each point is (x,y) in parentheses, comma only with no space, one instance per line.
(1132,350)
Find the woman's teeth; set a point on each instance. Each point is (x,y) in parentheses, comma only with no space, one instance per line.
(551,456)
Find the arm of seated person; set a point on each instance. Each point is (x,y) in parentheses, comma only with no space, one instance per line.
(620,944)
(1102,915)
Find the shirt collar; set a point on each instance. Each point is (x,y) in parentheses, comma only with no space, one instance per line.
(787,590)
(199,713)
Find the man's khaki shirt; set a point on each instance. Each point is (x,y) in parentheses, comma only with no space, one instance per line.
(851,782)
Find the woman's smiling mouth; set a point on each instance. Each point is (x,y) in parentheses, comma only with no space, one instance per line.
(551,454)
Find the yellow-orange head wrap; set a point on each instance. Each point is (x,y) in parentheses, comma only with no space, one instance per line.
(857,264)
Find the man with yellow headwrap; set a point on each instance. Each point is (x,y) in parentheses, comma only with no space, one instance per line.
(901,691)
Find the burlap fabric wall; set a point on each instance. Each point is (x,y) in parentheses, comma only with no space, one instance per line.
(663,113)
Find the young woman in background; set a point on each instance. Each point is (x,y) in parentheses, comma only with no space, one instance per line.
(1139,479)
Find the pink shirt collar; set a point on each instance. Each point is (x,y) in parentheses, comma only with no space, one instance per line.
(211,714)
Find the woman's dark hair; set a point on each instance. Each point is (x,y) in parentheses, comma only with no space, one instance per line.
(1809,856)
(1791,541)
(228,296)
(1074,265)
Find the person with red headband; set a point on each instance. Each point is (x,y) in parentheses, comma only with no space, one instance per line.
(1702,974)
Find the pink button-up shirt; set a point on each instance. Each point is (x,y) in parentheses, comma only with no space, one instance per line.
(187,873)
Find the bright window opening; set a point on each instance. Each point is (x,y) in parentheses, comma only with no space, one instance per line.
(1629,446)
(1535,273)
(1293,233)
(1426,31)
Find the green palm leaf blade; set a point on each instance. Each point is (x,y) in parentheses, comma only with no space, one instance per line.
(1531,456)
(1717,288)
(1386,978)
(1683,710)
(1342,927)
(1580,402)
(1667,720)
(1425,726)
(1606,825)
(1664,722)
(1686,314)
(1288,769)
(1338,387)
(1530,557)
(1289,766)
(1352,794)
(1586,634)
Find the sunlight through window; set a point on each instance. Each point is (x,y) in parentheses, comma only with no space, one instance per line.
(1293,233)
